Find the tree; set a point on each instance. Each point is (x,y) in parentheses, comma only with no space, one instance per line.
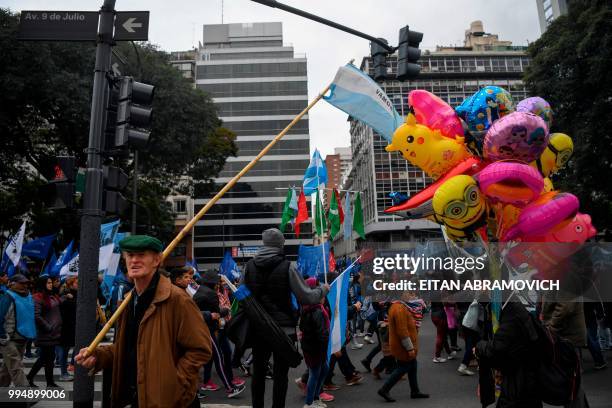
(45,99)
(570,69)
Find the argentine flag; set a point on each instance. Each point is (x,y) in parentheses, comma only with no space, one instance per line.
(355,93)
(338,303)
(316,174)
(13,249)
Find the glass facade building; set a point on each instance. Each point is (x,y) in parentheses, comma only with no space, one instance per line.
(258,86)
(451,74)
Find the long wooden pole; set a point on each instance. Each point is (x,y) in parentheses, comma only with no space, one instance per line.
(110,323)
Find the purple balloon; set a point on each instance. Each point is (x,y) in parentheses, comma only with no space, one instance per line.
(519,136)
(537,106)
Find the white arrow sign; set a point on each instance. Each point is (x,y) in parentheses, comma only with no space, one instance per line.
(130,24)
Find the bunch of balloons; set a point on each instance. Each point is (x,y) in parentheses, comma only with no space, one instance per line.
(491,162)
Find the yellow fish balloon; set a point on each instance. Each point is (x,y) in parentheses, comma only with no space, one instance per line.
(556,155)
(459,205)
(427,149)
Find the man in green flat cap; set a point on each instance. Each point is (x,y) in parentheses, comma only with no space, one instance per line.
(161,332)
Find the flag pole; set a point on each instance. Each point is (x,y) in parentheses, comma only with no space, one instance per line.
(203,211)
(322,232)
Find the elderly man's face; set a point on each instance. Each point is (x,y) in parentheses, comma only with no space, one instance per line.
(141,264)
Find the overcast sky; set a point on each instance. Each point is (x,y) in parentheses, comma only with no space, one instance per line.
(177,25)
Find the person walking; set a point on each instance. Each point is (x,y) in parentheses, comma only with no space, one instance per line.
(67,338)
(161,342)
(208,302)
(314,331)
(439,319)
(404,343)
(48,329)
(271,279)
(17,326)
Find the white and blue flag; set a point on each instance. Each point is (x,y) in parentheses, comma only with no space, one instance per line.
(229,267)
(355,93)
(64,258)
(316,174)
(338,304)
(13,249)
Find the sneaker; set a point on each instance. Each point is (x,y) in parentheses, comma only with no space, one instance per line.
(360,334)
(439,360)
(368,339)
(366,364)
(331,387)
(354,380)
(455,348)
(301,385)
(356,346)
(325,397)
(319,404)
(385,395)
(234,392)
(201,394)
(66,377)
(246,372)
(463,370)
(210,386)
(601,366)
(309,405)
(452,355)
(419,395)
(70,368)
(237,381)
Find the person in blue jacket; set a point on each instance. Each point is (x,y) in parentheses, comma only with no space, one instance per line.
(17,326)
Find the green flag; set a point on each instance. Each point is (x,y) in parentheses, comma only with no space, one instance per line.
(358,217)
(288,212)
(320,222)
(334,216)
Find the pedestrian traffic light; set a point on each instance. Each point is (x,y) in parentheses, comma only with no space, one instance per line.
(59,192)
(129,114)
(408,54)
(379,60)
(115,181)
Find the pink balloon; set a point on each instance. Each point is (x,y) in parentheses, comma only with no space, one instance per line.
(510,183)
(434,113)
(538,218)
(517,136)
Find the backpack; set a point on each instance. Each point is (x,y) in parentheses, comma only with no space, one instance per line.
(559,371)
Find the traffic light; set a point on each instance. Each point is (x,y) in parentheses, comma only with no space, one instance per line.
(59,192)
(129,114)
(115,181)
(408,54)
(379,60)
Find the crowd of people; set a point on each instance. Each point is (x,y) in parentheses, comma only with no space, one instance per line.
(179,323)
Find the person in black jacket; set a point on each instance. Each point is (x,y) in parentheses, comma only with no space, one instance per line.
(513,351)
(208,302)
(271,279)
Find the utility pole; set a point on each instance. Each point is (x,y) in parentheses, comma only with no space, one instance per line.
(92,213)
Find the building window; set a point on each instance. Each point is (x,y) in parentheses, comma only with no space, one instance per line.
(180,206)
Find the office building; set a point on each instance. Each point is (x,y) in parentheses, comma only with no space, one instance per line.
(258,85)
(548,10)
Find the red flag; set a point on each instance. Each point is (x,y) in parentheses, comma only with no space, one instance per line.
(302,214)
(332,261)
(340,210)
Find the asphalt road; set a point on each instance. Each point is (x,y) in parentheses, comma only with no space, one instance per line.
(446,387)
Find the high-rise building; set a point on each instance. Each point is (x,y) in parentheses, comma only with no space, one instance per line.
(548,10)
(334,176)
(258,85)
(345,161)
(451,73)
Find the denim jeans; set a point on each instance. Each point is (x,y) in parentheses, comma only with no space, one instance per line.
(403,367)
(316,377)
(62,355)
(593,344)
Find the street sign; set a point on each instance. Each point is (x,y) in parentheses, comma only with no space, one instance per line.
(58,25)
(132,26)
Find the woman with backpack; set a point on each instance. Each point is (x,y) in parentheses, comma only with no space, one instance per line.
(314,336)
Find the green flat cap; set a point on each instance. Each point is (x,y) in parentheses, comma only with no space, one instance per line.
(139,243)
